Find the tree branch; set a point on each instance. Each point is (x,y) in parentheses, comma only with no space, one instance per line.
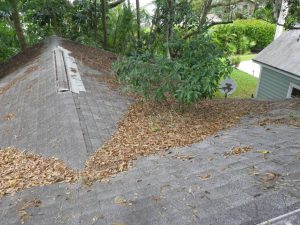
(217,23)
(228,3)
(115,4)
(206,27)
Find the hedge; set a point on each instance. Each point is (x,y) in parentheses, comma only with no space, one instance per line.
(259,31)
(248,34)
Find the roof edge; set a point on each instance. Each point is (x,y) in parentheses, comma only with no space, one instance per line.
(297,76)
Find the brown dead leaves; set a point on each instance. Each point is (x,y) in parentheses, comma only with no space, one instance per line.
(270,180)
(95,58)
(10,116)
(149,128)
(146,129)
(238,150)
(281,121)
(20,170)
(26,204)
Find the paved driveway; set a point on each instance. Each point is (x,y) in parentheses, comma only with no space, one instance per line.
(250,67)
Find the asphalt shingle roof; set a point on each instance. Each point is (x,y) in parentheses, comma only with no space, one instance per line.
(158,189)
(66,125)
(283,53)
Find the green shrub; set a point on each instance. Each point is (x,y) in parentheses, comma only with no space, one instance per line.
(258,31)
(193,76)
(8,42)
(235,60)
(243,36)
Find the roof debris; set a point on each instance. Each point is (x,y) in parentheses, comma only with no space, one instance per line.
(238,150)
(292,121)
(26,204)
(95,58)
(135,137)
(20,170)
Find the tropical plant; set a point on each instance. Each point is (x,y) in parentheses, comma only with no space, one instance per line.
(193,75)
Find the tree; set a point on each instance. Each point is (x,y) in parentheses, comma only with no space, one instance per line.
(96,21)
(17,23)
(281,19)
(104,28)
(138,20)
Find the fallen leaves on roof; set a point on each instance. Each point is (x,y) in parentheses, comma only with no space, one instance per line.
(270,180)
(10,116)
(26,204)
(20,170)
(136,136)
(205,176)
(293,121)
(183,157)
(95,58)
(121,201)
(238,150)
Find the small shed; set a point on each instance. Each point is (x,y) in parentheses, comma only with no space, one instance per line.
(280,68)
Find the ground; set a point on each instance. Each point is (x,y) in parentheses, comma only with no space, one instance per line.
(244,169)
(246,85)
(246,57)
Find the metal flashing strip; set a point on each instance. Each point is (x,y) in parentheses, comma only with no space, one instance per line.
(61,74)
(290,218)
(73,75)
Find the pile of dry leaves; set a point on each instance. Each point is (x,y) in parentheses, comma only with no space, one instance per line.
(20,170)
(149,128)
(95,58)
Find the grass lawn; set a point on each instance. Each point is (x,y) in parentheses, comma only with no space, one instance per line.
(246,85)
(246,57)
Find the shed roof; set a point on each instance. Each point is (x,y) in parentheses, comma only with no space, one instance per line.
(283,53)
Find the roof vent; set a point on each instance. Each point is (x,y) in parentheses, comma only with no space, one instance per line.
(67,73)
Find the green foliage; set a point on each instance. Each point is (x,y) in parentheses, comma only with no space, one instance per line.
(244,35)
(294,14)
(8,43)
(192,76)
(235,60)
(264,13)
(44,18)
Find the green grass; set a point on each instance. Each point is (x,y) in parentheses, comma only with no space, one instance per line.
(246,57)
(246,85)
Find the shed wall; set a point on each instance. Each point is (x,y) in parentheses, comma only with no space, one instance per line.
(274,85)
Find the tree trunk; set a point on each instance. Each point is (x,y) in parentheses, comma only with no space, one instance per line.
(281,19)
(276,4)
(205,11)
(138,20)
(17,24)
(169,30)
(96,22)
(104,28)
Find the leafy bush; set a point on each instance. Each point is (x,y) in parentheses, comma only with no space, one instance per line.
(193,76)
(235,60)
(8,43)
(259,31)
(244,35)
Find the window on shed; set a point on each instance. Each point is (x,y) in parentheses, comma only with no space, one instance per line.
(295,93)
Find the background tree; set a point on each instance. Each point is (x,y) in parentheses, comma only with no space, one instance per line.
(281,18)
(17,23)
(138,20)
(104,28)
